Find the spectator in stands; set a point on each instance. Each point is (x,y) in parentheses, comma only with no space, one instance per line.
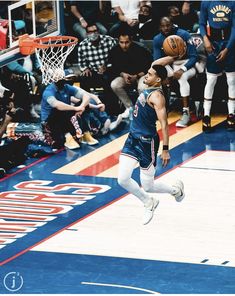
(185,19)
(98,120)
(7,108)
(95,118)
(181,69)
(86,12)
(219,41)
(59,114)
(29,65)
(129,63)
(127,12)
(189,17)
(92,60)
(20,86)
(146,28)
(174,15)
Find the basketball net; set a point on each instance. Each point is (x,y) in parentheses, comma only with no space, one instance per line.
(51,52)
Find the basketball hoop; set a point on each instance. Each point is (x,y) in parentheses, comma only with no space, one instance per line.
(51,51)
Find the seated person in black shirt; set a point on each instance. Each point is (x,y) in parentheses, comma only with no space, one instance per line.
(129,63)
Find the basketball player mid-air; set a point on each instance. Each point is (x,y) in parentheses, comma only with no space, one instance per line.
(142,145)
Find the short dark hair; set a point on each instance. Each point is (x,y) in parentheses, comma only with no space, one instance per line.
(125,30)
(91,25)
(161,71)
(166,19)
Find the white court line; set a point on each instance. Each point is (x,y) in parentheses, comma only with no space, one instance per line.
(119,286)
(200,227)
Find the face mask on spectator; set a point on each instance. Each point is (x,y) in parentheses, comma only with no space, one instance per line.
(93,36)
(143,18)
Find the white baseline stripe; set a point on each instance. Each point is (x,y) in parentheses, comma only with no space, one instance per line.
(119,286)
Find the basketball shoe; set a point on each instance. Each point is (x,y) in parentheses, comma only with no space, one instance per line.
(150,207)
(70,142)
(178,191)
(105,128)
(126,113)
(115,123)
(231,122)
(88,139)
(206,123)
(184,120)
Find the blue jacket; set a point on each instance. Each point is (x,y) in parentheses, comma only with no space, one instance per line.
(191,53)
(219,15)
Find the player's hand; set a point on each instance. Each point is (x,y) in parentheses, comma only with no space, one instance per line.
(101,107)
(79,110)
(87,73)
(132,22)
(83,23)
(222,55)
(101,69)
(178,74)
(127,78)
(132,79)
(165,157)
(208,45)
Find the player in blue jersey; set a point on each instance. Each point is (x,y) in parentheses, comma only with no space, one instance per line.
(142,145)
(182,69)
(219,41)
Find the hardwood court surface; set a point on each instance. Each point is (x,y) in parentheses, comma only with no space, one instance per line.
(67,227)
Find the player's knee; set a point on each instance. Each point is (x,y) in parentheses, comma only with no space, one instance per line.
(147,182)
(116,84)
(147,186)
(211,80)
(123,181)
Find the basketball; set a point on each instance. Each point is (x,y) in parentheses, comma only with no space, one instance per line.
(174,45)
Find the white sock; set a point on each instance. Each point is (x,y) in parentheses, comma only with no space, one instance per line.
(207,107)
(159,187)
(126,167)
(231,106)
(133,187)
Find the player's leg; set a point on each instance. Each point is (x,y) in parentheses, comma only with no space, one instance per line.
(131,154)
(155,186)
(118,86)
(185,93)
(231,100)
(127,165)
(208,95)
(213,71)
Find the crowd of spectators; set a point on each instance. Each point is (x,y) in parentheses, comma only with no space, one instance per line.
(118,42)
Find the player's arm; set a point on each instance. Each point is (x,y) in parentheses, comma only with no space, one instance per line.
(231,42)
(167,60)
(61,106)
(87,99)
(159,104)
(203,18)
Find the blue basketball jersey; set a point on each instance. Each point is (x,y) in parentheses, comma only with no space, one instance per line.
(144,116)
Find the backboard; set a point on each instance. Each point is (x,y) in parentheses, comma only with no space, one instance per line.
(37,18)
